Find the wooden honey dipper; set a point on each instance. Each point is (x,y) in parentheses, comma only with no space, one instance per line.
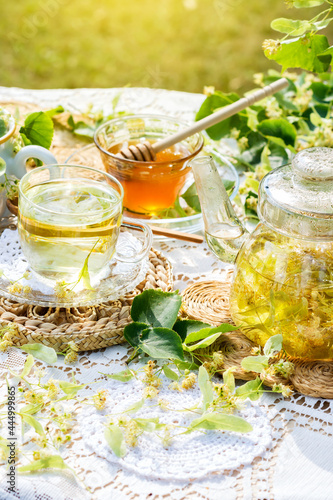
(145,151)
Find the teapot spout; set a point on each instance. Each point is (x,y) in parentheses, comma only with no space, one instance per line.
(224,232)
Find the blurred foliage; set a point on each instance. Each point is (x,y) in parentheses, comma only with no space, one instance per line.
(173,44)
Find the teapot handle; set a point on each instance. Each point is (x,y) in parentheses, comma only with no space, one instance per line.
(18,166)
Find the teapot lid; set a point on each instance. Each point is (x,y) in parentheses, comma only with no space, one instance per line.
(297,199)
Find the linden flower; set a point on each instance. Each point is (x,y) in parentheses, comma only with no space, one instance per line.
(52,389)
(273,109)
(62,290)
(284,368)
(285,390)
(167,437)
(40,441)
(33,397)
(15,288)
(70,357)
(189,381)
(256,351)
(4,345)
(60,439)
(271,46)
(150,392)
(243,143)
(73,346)
(100,399)
(174,386)
(218,359)
(209,90)
(150,378)
(258,79)
(163,404)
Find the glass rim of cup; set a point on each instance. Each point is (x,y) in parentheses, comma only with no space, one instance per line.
(45,167)
(148,115)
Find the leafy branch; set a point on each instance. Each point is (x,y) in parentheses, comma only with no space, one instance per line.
(302,46)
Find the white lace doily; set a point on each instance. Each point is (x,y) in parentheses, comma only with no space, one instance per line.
(298,462)
(191,456)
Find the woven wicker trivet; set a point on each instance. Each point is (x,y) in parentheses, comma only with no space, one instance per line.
(208,301)
(90,328)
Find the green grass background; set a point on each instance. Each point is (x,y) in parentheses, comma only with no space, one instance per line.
(172,44)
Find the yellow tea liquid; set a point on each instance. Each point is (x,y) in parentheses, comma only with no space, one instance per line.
(61,221)
(151,187)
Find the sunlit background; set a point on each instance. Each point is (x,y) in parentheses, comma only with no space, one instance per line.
(172,44)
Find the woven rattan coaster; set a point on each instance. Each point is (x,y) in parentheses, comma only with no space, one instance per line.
(90,328)
(208,301)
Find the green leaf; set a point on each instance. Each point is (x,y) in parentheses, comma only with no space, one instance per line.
(304,4)
(3,127)
(123,376)
(50,462)
(115,440)
(147,424)
(255,363)
(55,111)
(133,331)
(280,128)
(302,53)
(221,421)
(321,92)
(252,390)
(179,209)
(70,388)
(285,102)
(31,408)
(323,56)
(170,373)
(273,345)
(187,326)
(290,26)
(30,420)
(134,408)
(214,103)
(206,387)
(185,365)
(204,333)
(161,343)
(84,273)
(191,197)
(38,128)
(229,379)
(84,130)
(81,128)
(156,308)
(41,352)
(27,366)
(249,211)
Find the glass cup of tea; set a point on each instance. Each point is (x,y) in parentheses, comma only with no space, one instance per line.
(149,187)
(69,216)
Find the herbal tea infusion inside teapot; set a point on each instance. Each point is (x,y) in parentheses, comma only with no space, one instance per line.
(283,278)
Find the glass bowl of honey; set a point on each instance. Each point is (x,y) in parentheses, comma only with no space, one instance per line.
(149,187)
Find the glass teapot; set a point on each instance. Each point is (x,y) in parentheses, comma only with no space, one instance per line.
(283,277)
(12,163)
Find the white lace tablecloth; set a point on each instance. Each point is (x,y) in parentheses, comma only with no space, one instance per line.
(289,456)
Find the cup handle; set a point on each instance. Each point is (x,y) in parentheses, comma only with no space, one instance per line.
(18,167)
(146,246)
